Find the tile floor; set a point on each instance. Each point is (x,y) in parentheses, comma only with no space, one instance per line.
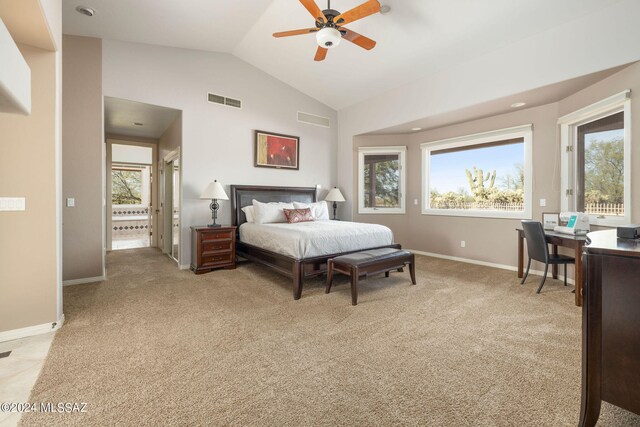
(19,371)
(133,242)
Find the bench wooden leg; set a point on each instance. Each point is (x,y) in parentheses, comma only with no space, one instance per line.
(412,270)
(329,275)
(386,274)
(401,270)
(355,274)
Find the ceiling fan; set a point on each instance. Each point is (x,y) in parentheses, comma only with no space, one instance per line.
(329,26)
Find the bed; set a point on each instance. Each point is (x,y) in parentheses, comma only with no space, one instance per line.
(301,251)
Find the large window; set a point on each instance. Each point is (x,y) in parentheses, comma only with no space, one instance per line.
(595,146)
(486,175)
(381,179)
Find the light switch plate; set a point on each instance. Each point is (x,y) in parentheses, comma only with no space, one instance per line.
(12,204)
(543,202)
(71,202)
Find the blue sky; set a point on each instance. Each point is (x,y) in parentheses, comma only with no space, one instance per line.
(603,136)
(448,170)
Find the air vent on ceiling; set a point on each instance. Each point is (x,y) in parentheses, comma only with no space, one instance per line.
(223,100)
(313,119)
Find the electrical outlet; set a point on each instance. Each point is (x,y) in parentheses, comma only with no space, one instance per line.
(415,202)
(71,202)
(463,244)
(543,202)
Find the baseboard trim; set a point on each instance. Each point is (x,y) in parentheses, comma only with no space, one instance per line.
(484,263)
(29,331)
(185,266)
(84,280)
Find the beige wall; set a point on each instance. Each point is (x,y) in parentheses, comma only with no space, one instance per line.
(487,239)
(82,158)
(217,141)
(171,139)
(442,234)
(28,247)
(629,78)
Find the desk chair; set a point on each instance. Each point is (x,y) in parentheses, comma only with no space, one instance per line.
(538,249)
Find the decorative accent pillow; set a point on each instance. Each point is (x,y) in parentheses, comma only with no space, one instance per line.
(265,213)
(298,215)
(319,210)
(249,213)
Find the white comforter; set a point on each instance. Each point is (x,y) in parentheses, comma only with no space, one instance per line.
(316,238)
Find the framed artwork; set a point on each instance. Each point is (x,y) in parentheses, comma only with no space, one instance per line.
(273,150)
(550,220)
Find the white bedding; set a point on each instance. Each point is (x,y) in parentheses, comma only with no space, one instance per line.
(316,238)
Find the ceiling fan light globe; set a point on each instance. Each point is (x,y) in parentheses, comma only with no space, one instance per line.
(328,37)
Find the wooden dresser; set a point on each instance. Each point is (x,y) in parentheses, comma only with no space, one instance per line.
(212,247)
(610,325)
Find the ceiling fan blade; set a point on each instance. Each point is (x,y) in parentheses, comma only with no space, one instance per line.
(314,10)
(365,9)
(360,40)
(321,53)
(295,32)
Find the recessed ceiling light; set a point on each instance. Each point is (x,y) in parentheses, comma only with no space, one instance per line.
(137,124)
(518,104)
(416,129)
(384,9)
(85,10)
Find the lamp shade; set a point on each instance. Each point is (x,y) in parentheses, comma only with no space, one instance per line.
(214,191)
(328,37)
(335,195)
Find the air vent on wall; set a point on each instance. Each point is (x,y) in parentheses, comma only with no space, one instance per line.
(223,100)
(312,119)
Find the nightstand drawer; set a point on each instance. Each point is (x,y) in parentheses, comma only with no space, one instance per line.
(211,260)
(210,236)
(216,246)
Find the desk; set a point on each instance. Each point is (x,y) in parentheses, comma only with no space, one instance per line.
(558,239)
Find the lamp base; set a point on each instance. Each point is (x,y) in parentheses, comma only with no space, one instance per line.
(214,225)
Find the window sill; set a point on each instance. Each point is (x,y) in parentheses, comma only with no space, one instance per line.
(381,211)
(608,222)
(476,214)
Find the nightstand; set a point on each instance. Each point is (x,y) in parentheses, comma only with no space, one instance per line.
(212,248)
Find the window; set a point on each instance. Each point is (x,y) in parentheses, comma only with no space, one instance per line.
(596,160)
(129,184)
(483,175)
(381,179)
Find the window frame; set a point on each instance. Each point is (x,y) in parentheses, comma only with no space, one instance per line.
(620,102)
(524,131)
(401,151)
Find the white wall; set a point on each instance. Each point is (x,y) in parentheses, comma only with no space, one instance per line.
(217,141)
(575,49)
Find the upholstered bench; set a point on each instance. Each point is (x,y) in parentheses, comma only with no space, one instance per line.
(372,261)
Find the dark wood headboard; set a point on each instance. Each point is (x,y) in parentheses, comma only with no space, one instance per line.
(243,195)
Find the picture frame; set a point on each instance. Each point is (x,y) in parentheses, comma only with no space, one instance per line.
(275,150)
(550,220)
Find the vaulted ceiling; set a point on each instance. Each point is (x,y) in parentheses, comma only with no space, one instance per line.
(416,38)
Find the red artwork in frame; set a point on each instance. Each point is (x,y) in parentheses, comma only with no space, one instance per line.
(278,151)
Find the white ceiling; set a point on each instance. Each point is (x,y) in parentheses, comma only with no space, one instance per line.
(121,114)
(417,38)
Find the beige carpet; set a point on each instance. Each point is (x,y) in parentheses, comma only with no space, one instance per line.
(154,346)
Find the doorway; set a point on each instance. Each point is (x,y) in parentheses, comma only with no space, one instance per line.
(132,194)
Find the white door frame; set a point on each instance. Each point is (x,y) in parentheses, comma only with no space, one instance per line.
(166,200)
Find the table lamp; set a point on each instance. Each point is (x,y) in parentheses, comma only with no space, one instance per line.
(215,192)
(335,196)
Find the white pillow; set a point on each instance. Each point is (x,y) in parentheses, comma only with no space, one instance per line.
(319,210)
(249,213)
(265,213)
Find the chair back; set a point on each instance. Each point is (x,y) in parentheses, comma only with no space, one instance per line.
(536,242)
